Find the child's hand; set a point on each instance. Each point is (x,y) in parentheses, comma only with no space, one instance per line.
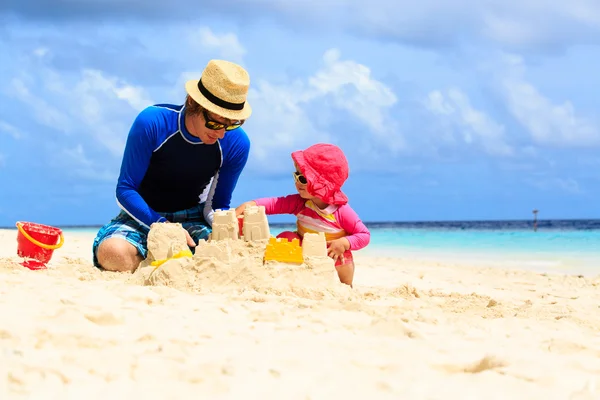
(337,248)
(240,209)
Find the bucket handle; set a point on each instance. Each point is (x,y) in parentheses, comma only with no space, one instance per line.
(42,245)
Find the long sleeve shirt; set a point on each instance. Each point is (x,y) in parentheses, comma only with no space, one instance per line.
(166,169)
(334,221)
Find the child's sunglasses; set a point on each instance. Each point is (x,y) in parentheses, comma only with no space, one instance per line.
(216,126)
(298,177)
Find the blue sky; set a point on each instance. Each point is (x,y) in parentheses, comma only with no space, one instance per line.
(450,110)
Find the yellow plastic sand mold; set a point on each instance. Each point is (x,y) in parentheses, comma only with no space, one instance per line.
(282,250)
(182,253)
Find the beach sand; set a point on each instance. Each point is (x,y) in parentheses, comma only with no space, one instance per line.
(410,329)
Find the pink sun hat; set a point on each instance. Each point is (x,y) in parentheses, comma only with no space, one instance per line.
(326,168)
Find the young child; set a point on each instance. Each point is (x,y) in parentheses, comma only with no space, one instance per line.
(321,206)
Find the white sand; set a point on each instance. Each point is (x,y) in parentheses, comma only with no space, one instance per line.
(410,329)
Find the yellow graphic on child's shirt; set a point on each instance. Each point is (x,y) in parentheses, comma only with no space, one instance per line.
(312,206)
(284,251)
(329,236)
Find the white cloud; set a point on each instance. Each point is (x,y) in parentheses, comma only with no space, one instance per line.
(475,126)
(209,45)
(86,103)
(41,52)
(354,89)
(93,103)
(548,123)
(226,45)
(10,130)
(542,23)
(535,24)
(77,163)
(568,185)
(435,103)
(531,24)
(95,82)
(42,111)
(280,122)
(77,156)
(100,99)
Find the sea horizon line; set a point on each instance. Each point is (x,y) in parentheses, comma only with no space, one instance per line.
(377,224)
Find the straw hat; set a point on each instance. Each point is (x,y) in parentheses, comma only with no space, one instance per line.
(222,89)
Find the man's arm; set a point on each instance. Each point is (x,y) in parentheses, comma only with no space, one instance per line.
(235,156)
(141,142)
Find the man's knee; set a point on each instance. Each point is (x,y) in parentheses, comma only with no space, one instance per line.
(116,254)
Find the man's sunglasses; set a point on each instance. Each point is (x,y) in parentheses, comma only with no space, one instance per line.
(298,177)
(216,125)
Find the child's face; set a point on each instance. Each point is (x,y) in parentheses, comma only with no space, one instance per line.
(301,182)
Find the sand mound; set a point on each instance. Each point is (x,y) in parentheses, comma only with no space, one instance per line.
(237,328)
(209,275)
(235,267)
(9,264)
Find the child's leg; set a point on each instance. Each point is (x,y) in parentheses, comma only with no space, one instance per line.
(345,270)
(346,273)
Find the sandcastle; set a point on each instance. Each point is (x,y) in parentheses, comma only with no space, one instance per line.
(255,228)
(237,262)
(225,225)
(226,243)
(255,224)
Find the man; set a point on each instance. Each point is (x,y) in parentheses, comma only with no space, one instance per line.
(180,163)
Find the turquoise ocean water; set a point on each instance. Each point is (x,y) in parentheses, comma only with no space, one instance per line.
(571,246)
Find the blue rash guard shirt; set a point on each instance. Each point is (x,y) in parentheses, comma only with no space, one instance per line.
(166,169)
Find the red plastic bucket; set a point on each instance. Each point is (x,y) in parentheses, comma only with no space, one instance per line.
(36,243)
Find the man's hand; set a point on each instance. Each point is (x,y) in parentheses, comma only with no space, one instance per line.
(240,209)
(190,241)
(337,248)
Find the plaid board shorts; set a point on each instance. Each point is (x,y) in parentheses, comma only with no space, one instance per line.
(125,227)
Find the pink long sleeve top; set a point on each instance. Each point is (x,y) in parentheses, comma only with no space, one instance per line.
(335,221)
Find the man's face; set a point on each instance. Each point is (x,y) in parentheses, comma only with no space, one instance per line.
(206,134)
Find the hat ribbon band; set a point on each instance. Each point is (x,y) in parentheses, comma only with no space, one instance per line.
(217,101)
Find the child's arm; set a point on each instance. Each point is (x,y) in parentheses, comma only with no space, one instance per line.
(358,234)
(291,204)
